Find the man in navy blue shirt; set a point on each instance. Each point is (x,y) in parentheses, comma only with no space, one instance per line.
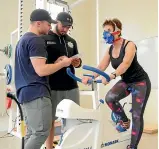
(31,82)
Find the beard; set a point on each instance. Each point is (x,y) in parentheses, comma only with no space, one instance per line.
(60,33)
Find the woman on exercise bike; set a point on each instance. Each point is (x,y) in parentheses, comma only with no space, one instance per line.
(123,57)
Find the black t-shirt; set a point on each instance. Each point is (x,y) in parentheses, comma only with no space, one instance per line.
(61,46)
(135,72)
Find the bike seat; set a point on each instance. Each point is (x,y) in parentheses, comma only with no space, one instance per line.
(70,110)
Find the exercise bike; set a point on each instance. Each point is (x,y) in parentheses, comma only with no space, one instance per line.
(89,128)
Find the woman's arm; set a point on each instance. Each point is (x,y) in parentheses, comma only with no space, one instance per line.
(127,60)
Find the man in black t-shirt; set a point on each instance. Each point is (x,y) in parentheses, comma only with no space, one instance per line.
(60,44)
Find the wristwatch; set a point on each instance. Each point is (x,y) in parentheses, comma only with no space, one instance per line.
(113,73)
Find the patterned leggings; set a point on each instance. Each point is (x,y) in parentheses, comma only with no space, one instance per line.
(140,93)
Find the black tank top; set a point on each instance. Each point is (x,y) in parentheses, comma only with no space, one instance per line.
(135,72)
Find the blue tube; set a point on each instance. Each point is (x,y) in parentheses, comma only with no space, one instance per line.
(68,70)
(72,75)
(97,71)
(99,81)
(91,69)
(89,76)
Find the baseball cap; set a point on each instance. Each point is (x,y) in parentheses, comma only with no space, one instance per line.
(65,18)
(41,15)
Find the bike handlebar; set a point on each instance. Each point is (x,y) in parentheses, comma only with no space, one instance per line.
(97,71)
(68,70)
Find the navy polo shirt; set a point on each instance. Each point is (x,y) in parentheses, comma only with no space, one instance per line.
(29,85)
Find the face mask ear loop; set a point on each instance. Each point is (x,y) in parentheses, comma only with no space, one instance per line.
(116,28)
(116,31)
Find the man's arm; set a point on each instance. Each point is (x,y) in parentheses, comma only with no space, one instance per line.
(43,69)
(38,56)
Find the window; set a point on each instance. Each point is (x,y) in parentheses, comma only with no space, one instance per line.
(40,4)
(54,9)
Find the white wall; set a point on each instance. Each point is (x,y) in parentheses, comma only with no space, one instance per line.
(9,22)
(84,32)
(136,16)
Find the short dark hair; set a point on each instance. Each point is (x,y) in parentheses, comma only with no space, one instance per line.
(113,22)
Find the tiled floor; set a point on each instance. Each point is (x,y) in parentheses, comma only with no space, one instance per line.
(14,143)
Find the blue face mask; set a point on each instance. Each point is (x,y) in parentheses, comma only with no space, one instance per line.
(108,37)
